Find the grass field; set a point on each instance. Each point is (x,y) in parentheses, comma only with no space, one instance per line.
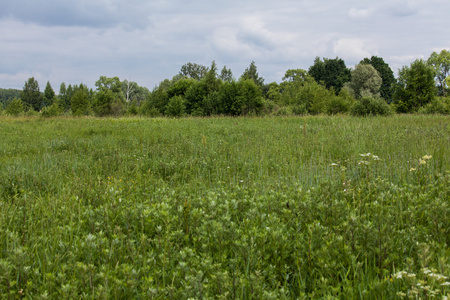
(225,208)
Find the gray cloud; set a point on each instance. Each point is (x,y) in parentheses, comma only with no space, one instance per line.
(148,41)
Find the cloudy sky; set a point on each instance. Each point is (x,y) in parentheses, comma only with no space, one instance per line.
(76,41)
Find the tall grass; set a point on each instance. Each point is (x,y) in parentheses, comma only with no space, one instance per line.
(262,208)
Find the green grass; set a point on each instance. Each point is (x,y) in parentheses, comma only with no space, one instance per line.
(223,208)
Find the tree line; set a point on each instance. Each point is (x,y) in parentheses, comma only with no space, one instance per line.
(328,87)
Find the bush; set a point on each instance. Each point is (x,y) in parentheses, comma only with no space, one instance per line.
(133,109)
(268,106)
(175,107)
(308,94)
(370,106)
(150,111)
(299,109)
(15,107)
(340,104)
(283,112)
(440,105)
(52,111)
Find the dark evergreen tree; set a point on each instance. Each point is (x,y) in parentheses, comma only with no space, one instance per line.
(252,73)
(333,73)
(31,94)
(49,95)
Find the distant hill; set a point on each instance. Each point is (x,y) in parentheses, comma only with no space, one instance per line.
(7,95)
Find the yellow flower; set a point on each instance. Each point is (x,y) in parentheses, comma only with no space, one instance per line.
(412,169)
(427,157)
(422,162)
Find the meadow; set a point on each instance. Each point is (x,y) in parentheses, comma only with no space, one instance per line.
(315,207)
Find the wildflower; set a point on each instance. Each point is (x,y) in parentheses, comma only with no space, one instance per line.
(422,162)
(426,157)
(334,164)
(412,169)
(445,283)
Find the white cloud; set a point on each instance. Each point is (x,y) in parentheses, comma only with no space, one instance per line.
(352,50)
(360,13)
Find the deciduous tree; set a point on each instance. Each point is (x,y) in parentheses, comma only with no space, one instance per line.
(226,75)
(366,81)
(415,86)
(387,76)
(441,65)
(193,70)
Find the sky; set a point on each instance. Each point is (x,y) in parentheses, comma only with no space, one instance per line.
(148,41)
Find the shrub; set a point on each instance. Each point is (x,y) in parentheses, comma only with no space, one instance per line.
(149,111)
(52,111)
(299,109)
(370,106)
(283,111)
(440,105)
(268,106)
(15,107)
(176,107)
(133,109)
(340,104)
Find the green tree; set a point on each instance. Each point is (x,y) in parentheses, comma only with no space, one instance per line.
(175,107)
(198,92)
(6,95)
(80,101)
(366,81)
(228,100)
(274,92)
(31,94)
(103,103)
(307,96)
(292,75)
(252,73)
(211,81)
(415,86)
(387,76)
(110,97)
(193,70)
(226,75)
(333,73)
(63,97)
(15,107)
(250,97)
(441,65)
(49,95)
(180,87)
(194,96)
(158,98)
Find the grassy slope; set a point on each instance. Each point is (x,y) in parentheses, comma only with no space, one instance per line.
(243,207)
